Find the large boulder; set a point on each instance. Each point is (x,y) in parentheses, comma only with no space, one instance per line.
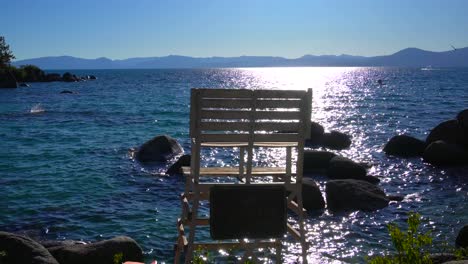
(160,148)
(344,168)
(52,77)
(336,140)
(405,146)
(312,198)
(316,133)
(176,168)
(462,237)
(316,160)
(68,77)
(441,153)
(354,195)
(21,249)
(449,131)
(98,253)
(462,119)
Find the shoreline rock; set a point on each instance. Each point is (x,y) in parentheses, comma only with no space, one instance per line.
(405,146)
(21,249)
(352,194)
(160,148)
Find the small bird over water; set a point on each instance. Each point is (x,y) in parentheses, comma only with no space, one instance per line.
(454,49)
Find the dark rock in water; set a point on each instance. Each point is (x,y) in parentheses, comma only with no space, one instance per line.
(317,160)
(336,140)
(66,92)
(176,168)
(462,119)
(462,237)
(449,131)
(53,77)
(344,168)
(354,195)
(405,146)
(21,249)
(23,85)
(369,178)
(441,153)
(160,148)
(316,133)
(99,252)
(312,198)
(92,77)
(68,77)
(396,198)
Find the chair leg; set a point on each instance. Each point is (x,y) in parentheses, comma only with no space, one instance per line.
(191,239)
(279,247)
(302,228)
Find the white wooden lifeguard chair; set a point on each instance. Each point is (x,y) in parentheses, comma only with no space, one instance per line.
(248,208)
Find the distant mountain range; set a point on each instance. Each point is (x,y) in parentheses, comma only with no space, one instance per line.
(410,57)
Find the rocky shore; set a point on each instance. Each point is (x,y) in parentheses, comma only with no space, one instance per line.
(13,77)
(16,248)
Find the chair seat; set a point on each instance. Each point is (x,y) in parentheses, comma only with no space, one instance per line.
(234,171)
(245,144)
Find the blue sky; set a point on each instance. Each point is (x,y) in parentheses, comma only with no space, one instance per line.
(290,28)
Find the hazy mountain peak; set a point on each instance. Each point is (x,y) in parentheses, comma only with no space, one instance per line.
(409,57)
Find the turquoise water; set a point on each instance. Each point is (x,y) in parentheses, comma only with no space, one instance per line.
(66,171)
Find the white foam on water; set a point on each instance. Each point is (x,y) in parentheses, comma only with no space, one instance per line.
(37,109)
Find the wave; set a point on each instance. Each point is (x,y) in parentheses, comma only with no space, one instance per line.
(37,109)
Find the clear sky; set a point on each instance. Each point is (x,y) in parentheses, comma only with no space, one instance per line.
(121,29)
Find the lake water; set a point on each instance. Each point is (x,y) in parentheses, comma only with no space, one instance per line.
(66,172)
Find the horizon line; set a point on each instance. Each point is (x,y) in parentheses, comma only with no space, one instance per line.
(208,57)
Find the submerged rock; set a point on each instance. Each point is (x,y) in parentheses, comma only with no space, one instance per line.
(317,160)
(336,140)
(176,168)
(404,146)
(66,92)
(462,237)
(354,195)
(441,153)
(159,148)
(99,252)
(344,168)
(21,249)
(312,198)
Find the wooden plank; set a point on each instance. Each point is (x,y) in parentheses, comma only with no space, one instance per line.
(244,144)
(294,232)
(240,103)
(229,103)
(280,94)
(224,126)
(246,93)
(224,138)
(274,137)
(246,126)
(234,171)
(236,245)
(225,93)
(239,114)
(276,103)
